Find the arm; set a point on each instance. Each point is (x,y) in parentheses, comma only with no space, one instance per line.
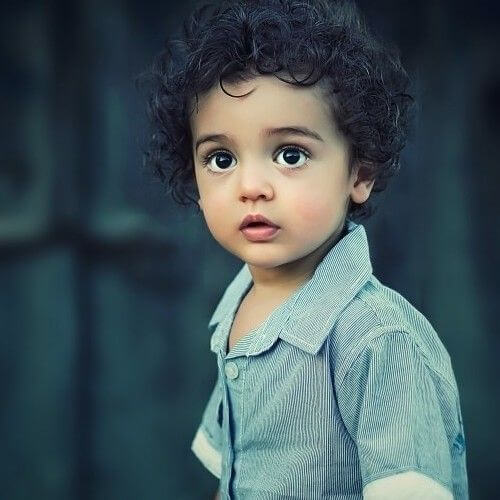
(208,440)
(410,485)
(393,404)
(217,494)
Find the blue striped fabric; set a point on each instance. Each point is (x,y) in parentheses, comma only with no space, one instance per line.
(344,383)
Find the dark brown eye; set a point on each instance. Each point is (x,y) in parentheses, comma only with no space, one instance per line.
(222,160)
(218,161)
(292,155)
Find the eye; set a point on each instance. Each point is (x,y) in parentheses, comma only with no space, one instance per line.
(222,161)
(292,156)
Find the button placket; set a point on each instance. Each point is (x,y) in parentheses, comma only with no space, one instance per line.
(228,458)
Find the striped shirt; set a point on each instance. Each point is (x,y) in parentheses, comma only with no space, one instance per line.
(344,392)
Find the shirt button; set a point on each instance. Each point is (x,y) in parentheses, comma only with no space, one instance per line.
(231,370)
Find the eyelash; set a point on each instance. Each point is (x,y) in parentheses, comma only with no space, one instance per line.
(206,158)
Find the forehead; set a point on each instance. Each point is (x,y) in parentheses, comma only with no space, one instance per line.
(268,101)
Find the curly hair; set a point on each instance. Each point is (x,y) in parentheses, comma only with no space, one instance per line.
(329,41)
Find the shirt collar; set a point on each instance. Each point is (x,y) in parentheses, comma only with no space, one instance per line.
(307,316)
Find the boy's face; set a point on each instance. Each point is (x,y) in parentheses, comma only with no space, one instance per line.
(256,173)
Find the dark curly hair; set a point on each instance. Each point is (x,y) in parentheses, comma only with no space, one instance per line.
(328,41)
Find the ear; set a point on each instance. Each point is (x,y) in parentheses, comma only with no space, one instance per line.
(360,187)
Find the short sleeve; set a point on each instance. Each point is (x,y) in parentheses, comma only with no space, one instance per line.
(207,442)
(396,409)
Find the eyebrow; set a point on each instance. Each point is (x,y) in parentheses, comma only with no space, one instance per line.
(268,132)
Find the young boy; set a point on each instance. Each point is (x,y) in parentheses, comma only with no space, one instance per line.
(284,116)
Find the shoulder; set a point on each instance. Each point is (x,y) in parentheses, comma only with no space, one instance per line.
(377,317)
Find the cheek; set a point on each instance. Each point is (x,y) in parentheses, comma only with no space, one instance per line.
(319,203)
(314,216)
(318,207)
(311,211)
(215,210)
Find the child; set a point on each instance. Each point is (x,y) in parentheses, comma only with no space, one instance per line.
(283,117)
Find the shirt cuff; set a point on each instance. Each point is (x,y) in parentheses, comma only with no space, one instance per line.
(206,453)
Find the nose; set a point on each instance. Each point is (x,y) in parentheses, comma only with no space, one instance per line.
(254,182)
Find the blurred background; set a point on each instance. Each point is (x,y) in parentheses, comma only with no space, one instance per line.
(107,285)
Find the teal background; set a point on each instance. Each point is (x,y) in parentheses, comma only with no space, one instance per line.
(107,286)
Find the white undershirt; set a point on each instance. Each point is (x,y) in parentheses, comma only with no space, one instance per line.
(409,485)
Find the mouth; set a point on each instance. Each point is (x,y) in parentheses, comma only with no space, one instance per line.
(256,219)
(257,224)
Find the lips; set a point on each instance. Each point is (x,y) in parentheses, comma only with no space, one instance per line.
(260,232)
(257,220)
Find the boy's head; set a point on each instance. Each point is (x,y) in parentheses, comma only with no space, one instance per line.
(244,66)
(248,159)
